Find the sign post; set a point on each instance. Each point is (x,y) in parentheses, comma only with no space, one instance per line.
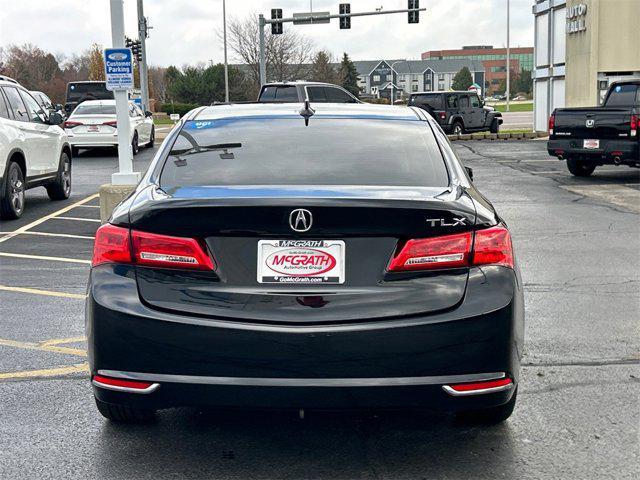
(118,64)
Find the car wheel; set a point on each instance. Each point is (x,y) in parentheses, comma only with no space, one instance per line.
(488,416)
(458,128)
(12,199)
(135,147)
(60,188)
(152,139)
(495,126)
(580,168)
(124,413)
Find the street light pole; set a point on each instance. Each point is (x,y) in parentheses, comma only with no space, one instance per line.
(263,64)
(392,84)
(508,60)
(142,36)
(226,65)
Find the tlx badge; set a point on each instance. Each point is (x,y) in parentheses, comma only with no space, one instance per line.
(441,222)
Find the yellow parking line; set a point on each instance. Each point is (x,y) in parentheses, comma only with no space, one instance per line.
(37,291)
(77,219)
(47,234)
(43,348)
(89,206)
(47,372)
(29,226)
(41,257)
(59,341)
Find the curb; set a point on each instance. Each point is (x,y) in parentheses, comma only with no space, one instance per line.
(498,136)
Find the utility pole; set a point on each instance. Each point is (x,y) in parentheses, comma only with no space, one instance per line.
(125,175)
(508,60)
(320,18)
(142,36)
(226,65)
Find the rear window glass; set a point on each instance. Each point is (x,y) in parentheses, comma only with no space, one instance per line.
(433,101)
(279,94)
(88,91)
(283,151)
(84,109)
(624,95)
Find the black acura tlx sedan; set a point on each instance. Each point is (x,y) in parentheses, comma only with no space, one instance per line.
(281,256)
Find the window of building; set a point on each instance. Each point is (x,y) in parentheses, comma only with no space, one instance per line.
(376,78)
(441,76)
(414,88)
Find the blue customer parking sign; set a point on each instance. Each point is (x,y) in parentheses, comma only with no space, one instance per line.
(118,68)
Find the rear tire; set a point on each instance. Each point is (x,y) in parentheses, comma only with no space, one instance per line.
(580,168)
(135,146)
(152,139)
(488,416)
(458,128)
(60,188)
(495,126)
(124,414)
(12,198)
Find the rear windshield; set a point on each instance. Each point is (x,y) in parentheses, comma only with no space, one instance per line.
(624,95)
(283,151)
(433,101)
(279,94)
(84,109)
(88,91)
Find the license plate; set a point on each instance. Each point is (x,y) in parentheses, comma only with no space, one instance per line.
(591,144)
(93,129)
(301,261)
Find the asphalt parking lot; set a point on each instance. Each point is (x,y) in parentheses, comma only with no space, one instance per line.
(578,412)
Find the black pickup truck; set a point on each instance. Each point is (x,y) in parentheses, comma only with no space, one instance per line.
(590,137)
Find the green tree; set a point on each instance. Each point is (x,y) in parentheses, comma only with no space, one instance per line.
(322,70)
(462,80)
(204,85)
(349,75)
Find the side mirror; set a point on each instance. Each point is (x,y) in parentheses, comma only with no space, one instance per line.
(148,114)
(58,107)
(55,118)
(469,172)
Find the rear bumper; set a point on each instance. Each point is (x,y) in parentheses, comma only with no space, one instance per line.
(384,364)
(87,140)
(627,151)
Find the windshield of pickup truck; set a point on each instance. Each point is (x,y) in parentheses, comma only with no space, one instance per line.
(623,95)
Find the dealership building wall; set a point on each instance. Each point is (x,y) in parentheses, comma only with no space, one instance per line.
(581,46)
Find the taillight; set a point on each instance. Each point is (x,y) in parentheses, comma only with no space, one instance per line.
(443,115)
(111,245)
(70,124)
(173,252)
(120,245)
(635,125)
(450,251)
(113,124)
(489,246)
(552,123)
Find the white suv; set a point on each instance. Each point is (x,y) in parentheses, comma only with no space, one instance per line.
(34,150)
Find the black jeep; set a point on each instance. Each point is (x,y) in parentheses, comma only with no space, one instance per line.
(458,112)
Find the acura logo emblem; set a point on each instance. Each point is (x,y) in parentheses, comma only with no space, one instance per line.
(590,123)
(300,220)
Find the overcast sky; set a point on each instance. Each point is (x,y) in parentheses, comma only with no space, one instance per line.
(184,31)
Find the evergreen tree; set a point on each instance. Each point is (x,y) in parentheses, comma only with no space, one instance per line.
(322,70)
(349,75)
(462,80)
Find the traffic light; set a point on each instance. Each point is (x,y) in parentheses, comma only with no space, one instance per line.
(136,48)
(345,22)
(276,28)
(414,17)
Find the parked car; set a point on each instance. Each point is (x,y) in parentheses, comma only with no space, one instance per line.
(34,150)
(298,92)
(78,92)
(593,136)
(339,258)
(458,112)
(93,124)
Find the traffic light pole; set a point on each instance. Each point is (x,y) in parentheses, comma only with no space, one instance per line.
(142,36)
(263,22)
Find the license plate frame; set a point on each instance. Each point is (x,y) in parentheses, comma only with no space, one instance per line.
(301,262)
(591,144)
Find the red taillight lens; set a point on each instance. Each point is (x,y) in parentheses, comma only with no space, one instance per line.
(111,245)
(552,123)
(69,124)
(450,251)
(492,246)
(475,388)
(635,125)
(172,252)
(120,245)
(120,382)
(443,115)
(113,124)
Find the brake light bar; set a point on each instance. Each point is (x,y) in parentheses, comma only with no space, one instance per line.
(489,246)
(120,245)
(479,388)
(112,123)
(71,124)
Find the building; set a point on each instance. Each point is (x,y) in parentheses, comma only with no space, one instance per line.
(402,77)
(493,59)
(581,46)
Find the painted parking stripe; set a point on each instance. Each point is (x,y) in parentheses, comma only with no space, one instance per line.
(61,341)
(46,373)
(29,226)
(78,352)
(88,206)
(37,291)
(47,234)
(41,257)
(77,219)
